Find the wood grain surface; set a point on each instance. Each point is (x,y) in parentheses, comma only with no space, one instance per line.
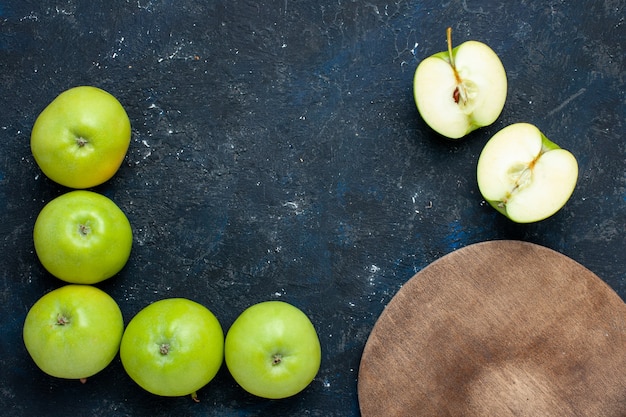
(499,328)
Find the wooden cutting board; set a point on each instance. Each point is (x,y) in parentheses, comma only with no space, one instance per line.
(500,328)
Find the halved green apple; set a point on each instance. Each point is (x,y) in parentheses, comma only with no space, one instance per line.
(461,89)
(524,175)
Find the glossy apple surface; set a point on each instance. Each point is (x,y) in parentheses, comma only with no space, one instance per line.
(74,331)
(524,175)
(460,90)
(173,347)
(272,350)
(81,138)
(82,237)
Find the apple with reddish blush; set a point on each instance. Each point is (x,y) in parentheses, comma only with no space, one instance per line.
(81,138)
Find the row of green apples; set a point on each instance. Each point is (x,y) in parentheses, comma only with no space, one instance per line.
(520,172)
(172,347)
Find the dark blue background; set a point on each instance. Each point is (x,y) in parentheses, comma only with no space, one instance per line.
(277,154)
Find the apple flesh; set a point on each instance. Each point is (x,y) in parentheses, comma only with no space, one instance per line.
(461,89)
(272,350)
(524,175)
(81,138)
(173,347)
(74,331)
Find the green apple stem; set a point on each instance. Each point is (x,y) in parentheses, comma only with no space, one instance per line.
(460,93)
(84,229)
(62,320)
(194,397)
(83,380)
(81,141)
(277,359)
(449,38)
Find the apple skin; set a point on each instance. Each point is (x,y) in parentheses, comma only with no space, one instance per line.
(82,237)
(435,82)
(73,332)
(81,138)
(524,175)
(272,350)
(173,347)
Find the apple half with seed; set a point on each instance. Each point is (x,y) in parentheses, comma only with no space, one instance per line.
(461,89)
(524,175)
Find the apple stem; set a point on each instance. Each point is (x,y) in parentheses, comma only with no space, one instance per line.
(62,320)
(194,397)
(84,229)
(459,93)
(449,39)
(83,380)
(277,359)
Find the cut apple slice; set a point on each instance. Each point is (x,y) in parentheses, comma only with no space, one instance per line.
(461,89)
(524,175)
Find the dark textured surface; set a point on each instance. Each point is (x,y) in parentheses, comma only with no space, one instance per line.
(277,154)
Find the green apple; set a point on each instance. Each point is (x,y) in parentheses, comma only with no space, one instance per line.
(272,350)
(81,138)
(74,331)
(82,237)
(461,89)
(173,347)
(524,175)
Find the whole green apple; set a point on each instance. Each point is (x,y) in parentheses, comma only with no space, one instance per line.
(524,175)
(461,89)
(82,237)
(74,331)
(272,350)
(81,138)
(173,347)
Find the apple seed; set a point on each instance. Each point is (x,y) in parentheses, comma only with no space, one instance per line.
(456,95)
